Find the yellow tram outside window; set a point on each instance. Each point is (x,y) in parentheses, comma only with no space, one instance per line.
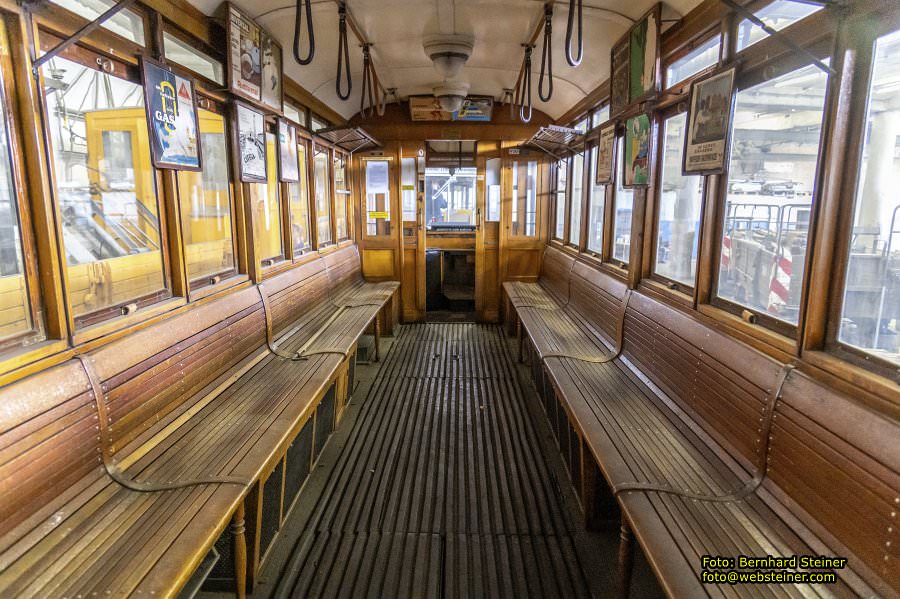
(266,201)
(341,197)
(205,204)
(106,187)
(298,195)
(323,197)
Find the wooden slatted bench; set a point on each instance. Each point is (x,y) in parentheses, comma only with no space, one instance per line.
(709,447)
(199,399)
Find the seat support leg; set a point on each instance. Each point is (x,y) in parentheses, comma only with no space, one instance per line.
(238,529)
(377,336)
(626,558)
(520,337)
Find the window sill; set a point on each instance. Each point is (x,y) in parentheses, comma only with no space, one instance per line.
(662,290)
(878,392)
(20,362)
(275,269)
(224,285)
(769,342)
(121,325)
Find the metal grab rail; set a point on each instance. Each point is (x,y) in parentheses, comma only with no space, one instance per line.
(310,30)
(547,56)
(523,91)
(574,61)
(343,57)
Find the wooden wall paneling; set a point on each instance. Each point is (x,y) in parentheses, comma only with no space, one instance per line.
(487,250)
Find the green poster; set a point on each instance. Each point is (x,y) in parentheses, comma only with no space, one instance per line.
(636,162)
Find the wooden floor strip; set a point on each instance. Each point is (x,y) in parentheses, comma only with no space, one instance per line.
(442,489)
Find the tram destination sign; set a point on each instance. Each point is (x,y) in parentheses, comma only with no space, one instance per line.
(172,118)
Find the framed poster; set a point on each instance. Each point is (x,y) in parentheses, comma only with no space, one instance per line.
(427,108)
(271,75)
(710,112)
(636,161)
(251,133)
(643,56)
(244,55)
(288,167)
(172,118)
(618,81)
(606,147)
(475,108)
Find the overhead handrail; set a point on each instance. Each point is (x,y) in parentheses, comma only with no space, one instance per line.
(547,55)
(574,61)
(343,58)
(523,92)
(369,101)
(298,24)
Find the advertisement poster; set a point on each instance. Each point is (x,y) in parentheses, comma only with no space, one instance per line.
(605,160)
(477,108)
(251,127)
(618,94)
(172,118)
(636,163)
(643,47)
(245,55)
(271,73)
(287,152)
(709,124)
(427,108)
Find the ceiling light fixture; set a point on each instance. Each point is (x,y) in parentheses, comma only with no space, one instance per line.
(451,95)
(449,53)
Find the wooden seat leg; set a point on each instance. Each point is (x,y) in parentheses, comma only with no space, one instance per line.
(626,558)
(238,529)
(521,339)
(377,337)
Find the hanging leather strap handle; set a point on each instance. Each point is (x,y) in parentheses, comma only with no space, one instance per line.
(547,56)
(343,57)
(298,25)
(575,60)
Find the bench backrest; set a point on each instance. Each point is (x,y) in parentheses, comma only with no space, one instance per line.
(556,267)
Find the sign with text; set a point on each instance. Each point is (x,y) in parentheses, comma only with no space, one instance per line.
(172,118)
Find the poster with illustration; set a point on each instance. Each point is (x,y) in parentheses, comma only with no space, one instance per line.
(618,87)
(172,118)
(643,46)
(709,124)
(289,168)
(271,73)
(606,144)
(245,55)
(475,108)
(636,162)
(427,108)
(251,128)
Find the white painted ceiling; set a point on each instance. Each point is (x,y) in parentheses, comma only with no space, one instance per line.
(396,29)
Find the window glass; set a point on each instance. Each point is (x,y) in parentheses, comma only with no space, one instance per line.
(560,224)
(106,187)
(777,15)
(596,209)
(298,196)
(294,114)
(679,209)
(577,197)
(408,178)
(870,318)
(703,56)
(16,317)
(341,197)
(323,197)
(774,151)
(492,189)
(582,125)
(316,123)
(206,205)
(623,202)
(524,196)
(378,197)
(600,116)
(450,197)
(125,23)
(187,56)
(266,200)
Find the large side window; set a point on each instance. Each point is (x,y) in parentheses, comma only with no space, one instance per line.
(298,194)
(378,197)
(575,205)
(323,196)
(20,319)
(870,315)
(559,224)
(678,215)
(341,197)
(623,204)
(266,201)
(205,203)
(524,198)
(774,153)
(594,242)
(106,190)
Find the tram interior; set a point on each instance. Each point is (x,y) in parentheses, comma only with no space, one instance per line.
(449,298)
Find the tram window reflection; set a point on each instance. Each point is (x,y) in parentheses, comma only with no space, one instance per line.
(298,198)
(623,202)
(870,317)
(106,189)
(450,197)
(774,153)
(206,205)
(678,218)
(266,200)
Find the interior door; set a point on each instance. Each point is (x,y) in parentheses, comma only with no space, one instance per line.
(524,214)
(487,236)
(412,286)
(379,234)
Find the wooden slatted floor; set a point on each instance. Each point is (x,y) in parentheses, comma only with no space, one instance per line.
(441,489)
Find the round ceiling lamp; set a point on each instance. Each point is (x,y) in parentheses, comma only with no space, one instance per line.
(449,53)
(451,95)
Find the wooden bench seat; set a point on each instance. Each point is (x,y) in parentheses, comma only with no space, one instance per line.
(199,396)
(684,410)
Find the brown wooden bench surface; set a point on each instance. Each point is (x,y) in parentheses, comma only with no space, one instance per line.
(197,396)
(683,407)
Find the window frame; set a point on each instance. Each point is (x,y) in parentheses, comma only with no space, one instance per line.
(684,86)
(303,139)
(555,191)
(318,146)
(622,266)
(205,48)
(345,157)
(585,169)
